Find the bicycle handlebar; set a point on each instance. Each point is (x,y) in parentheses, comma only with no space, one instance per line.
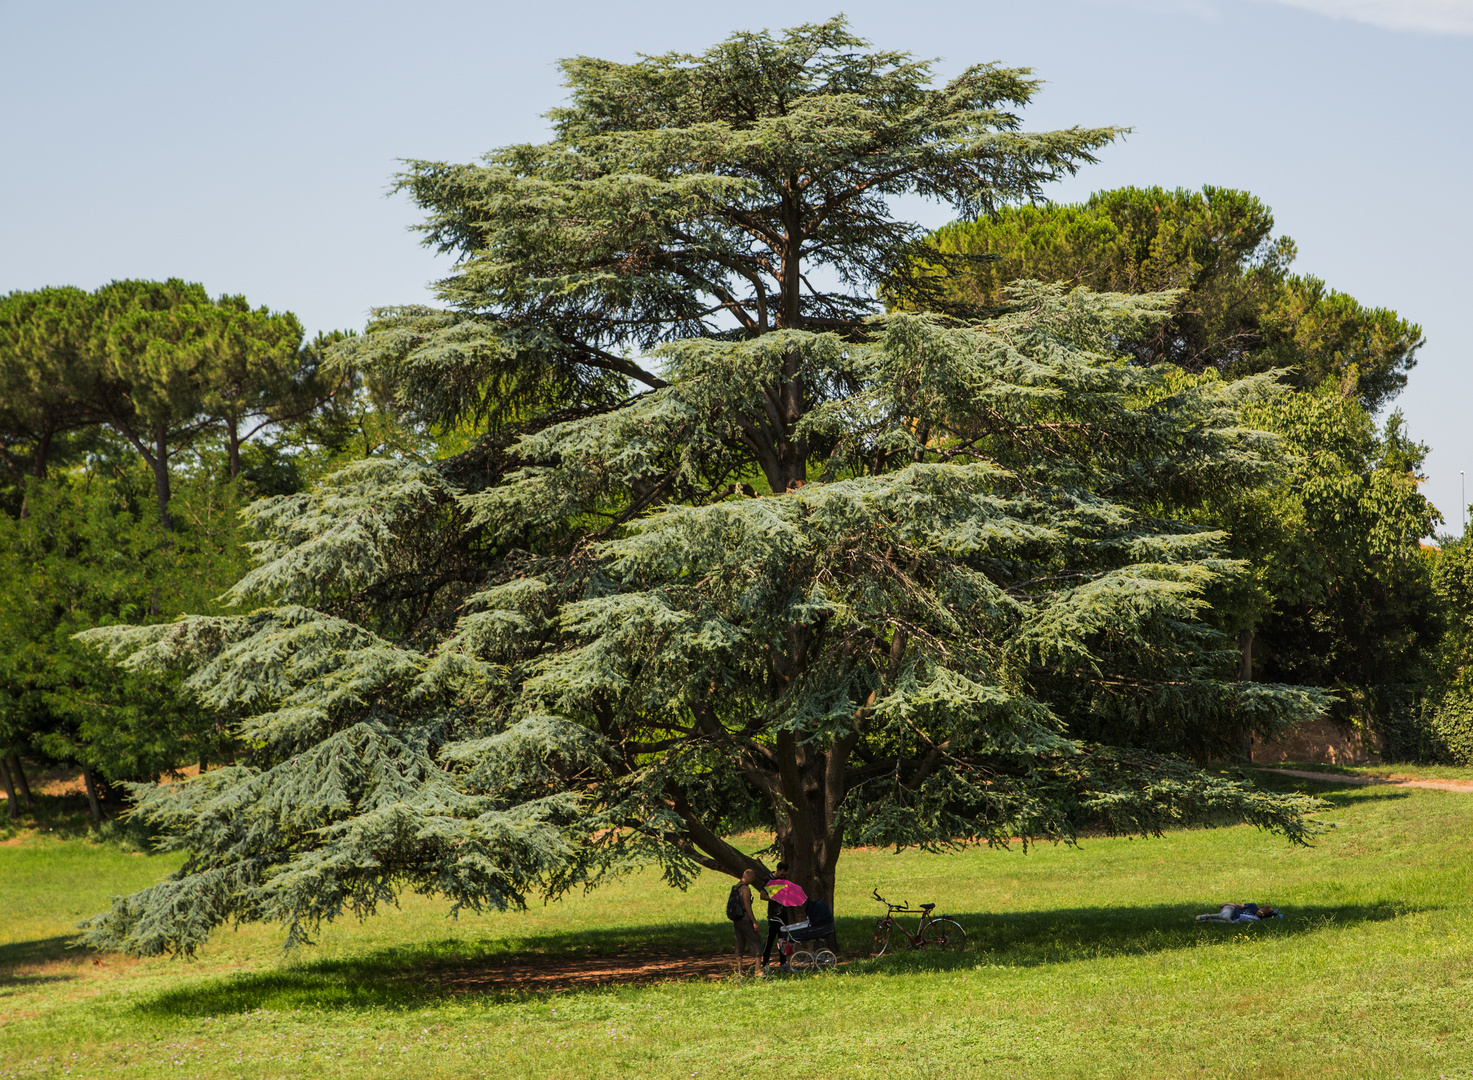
(896,907)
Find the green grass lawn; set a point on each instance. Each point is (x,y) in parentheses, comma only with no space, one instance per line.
(1082,963)
(1383,770)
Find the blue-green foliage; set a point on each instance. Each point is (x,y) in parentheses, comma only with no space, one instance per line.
(352,786)
(955,621)
(909,580)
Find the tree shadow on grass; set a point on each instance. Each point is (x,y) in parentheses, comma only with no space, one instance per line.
(1331,792)
(501,970)
(494,969)
(62,817)
(20,961)
(66,817)
(1070,935)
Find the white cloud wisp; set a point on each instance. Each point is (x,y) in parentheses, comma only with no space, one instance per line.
(1418,16)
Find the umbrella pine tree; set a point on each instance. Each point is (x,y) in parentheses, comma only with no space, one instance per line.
(735,542)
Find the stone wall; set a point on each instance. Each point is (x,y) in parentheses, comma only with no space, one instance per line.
(1320,741)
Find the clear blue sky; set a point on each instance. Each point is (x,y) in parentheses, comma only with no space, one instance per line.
(251,146)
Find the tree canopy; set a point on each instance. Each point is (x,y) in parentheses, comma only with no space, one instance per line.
(1348,598)
(1240,310)
(1339,596)
(157,363)
(118,504)
(699,197)
(734,546)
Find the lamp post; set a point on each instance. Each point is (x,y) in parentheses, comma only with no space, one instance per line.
(1463,483)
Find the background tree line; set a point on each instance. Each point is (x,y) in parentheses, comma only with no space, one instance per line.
(122,406)
(135,422)
(1344,595)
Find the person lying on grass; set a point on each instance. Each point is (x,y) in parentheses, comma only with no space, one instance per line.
(1238,913)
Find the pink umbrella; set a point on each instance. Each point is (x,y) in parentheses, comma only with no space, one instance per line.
(786,893)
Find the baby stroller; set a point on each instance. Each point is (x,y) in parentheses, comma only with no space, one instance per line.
(797,940)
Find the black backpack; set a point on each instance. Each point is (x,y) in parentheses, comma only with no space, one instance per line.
(734,909)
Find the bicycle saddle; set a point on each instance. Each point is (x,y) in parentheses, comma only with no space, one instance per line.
(927,907)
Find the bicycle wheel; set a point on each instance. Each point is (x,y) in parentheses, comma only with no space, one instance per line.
(801,961)
(882,937)
(947,935)
(824,959)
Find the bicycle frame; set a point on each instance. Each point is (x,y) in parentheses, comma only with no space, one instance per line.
(932,929)
(905,909)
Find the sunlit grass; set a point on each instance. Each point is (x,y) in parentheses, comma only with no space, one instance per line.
(1082,963)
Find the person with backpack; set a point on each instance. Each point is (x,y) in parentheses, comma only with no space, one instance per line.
(743,922)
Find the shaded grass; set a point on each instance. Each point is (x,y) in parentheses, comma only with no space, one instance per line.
(1081,962)
(1385,770)
(63,816)
(415,976)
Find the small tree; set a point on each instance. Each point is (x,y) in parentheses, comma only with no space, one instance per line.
(88,555)
(908,581)
(153,341)
(1349,599)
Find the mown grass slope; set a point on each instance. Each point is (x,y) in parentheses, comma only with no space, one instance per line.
(1082,962)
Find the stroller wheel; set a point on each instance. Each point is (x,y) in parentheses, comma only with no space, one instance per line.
(824,960)
(801,961)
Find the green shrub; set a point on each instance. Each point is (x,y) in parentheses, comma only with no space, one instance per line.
(1422,726)
(1449,722)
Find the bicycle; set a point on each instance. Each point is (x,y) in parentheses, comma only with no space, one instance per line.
(940,930)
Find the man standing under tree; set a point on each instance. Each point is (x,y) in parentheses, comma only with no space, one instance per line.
(743,922)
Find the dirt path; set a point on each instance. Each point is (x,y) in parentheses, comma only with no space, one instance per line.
(1387,781)
(568,973)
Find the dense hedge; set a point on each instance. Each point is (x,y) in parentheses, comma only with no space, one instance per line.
(1426,727)
(1450,725)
